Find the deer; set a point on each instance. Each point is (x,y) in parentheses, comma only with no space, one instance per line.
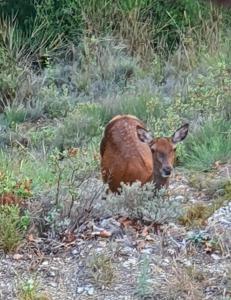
(129,153)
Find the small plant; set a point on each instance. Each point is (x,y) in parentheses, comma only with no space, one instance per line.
(10,186)
(55,103)
(102,269)
(13,225)
(29,290)
(144,288)
(15,115)
(196,215)
(143,202)
(179,282)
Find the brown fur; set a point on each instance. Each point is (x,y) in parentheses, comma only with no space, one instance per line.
(126,158)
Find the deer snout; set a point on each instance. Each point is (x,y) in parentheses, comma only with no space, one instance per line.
(166,171)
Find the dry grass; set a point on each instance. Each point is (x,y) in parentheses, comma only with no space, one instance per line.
(102,269)
(179,282)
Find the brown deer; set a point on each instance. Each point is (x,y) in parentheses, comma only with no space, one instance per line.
(129,153)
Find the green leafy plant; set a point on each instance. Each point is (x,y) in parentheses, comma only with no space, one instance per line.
(29,290)
(13,226)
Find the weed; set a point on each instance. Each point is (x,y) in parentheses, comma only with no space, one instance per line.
(55,103)
(143,288)
(185,282)
(29,290)
(102,269)
(197,214)
(15,114)
(12,227)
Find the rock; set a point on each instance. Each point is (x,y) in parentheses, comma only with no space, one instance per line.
(90,291)
(51,274)
(80,290)
(130,262)
(215,256)
(53,284)
(74,252)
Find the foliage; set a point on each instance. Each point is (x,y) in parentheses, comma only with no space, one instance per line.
(196,215)
(143,202)
(12,227)
(10,77)
(9,185)
(143,288)
(55,103)
(102,269)
(143,24)
(208,144)
(77,129)
(29,290)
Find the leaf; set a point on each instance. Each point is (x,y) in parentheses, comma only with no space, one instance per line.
(105,234)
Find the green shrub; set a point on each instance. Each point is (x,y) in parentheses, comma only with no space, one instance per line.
(208,144)
(12,227)
(24,9)
(77,129)
(29,289)
(55,103)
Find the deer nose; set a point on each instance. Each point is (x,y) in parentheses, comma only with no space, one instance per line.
(167,171)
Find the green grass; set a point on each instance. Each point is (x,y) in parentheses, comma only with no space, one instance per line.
(12,227)
(30,290)
(210,143)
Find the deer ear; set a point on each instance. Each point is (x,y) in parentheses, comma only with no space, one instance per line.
(144,135)
(180,134)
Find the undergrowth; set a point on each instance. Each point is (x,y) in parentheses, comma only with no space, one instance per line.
(143,202)
(13,226)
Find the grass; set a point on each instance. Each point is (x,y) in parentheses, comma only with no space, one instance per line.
(209,144)
(13,225)
(29,290)
(102,269)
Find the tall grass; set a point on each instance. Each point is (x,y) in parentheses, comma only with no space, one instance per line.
(209,144)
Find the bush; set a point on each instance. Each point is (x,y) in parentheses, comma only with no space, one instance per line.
(143,202)
(55,103)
